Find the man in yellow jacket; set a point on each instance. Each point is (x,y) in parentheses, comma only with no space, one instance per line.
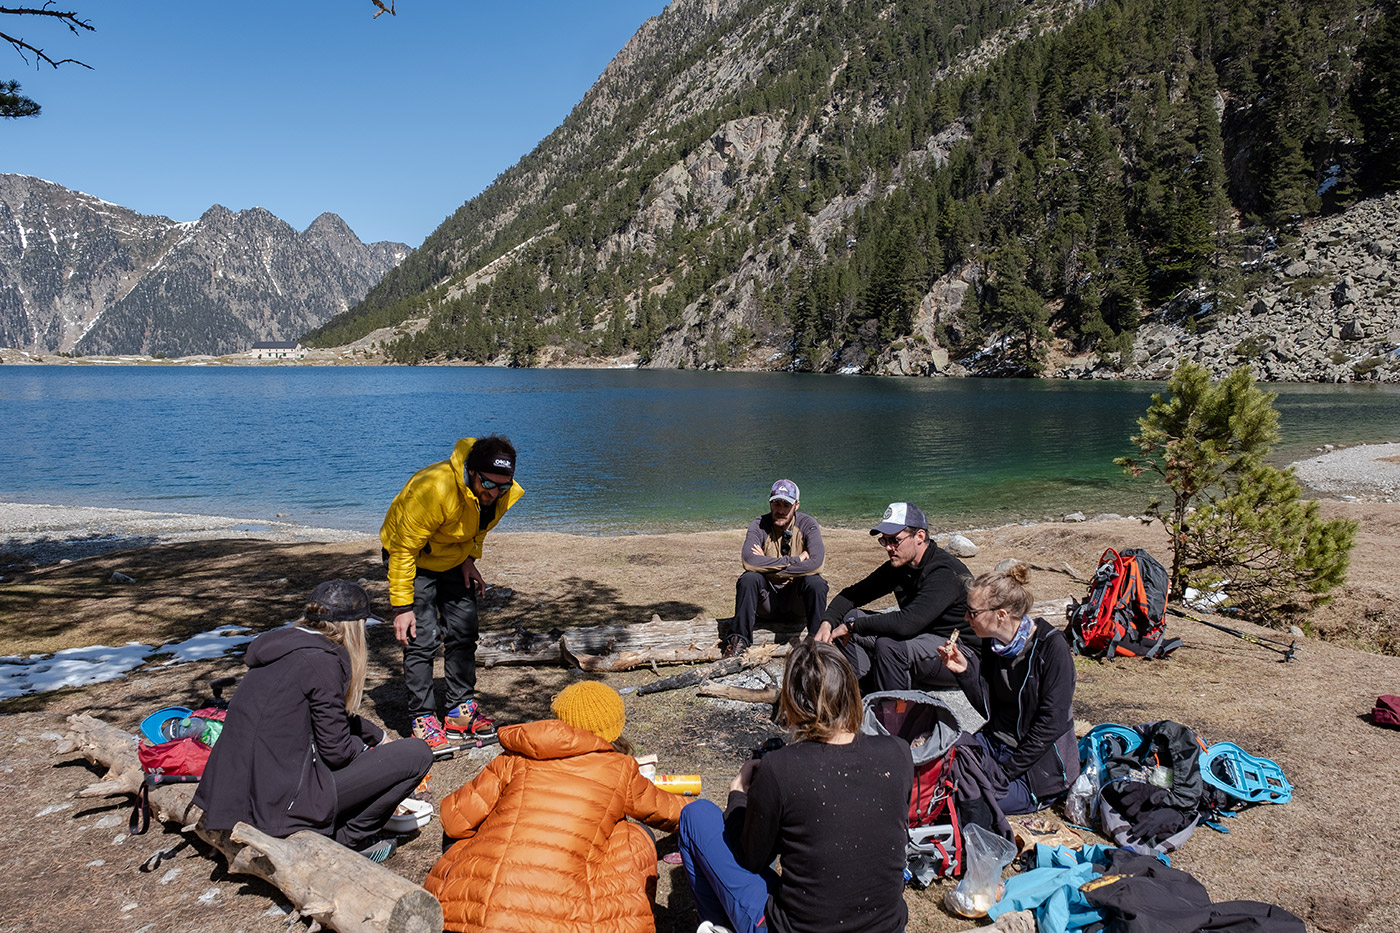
(432,537)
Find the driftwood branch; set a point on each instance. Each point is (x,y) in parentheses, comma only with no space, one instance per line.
(767,695)
(325,881)
(753,657)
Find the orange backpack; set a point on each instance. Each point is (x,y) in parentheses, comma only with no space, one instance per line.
(1124,613)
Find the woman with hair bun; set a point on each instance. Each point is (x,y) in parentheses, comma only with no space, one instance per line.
(833,805)
(1022,681)
(294,752)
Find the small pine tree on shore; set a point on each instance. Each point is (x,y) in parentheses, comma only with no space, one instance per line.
(1234,520)
(1267,546)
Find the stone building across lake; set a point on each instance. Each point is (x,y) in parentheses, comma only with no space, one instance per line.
(277,350)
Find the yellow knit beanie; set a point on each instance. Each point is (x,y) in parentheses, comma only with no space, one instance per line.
(593,706)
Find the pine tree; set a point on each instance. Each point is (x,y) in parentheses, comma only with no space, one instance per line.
(1266,547)
(1195,439)
(13,104)
(1375,98)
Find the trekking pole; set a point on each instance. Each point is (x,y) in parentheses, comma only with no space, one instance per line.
(1288,651)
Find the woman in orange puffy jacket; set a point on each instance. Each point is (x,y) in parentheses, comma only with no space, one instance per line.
(543,842)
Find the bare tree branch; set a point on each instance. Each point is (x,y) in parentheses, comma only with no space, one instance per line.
(69,18)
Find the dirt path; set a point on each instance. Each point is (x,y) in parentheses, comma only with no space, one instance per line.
(68,865)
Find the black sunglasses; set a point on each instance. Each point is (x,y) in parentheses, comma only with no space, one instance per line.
(488,484)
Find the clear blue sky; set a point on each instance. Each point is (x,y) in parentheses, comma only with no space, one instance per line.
(305,106)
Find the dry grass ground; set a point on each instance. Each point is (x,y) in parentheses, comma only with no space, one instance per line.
(67,866)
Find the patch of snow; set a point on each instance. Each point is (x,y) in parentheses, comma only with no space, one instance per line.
(1205,601)
(208,895)
(53,809)
(1330,179)
(78,667)
(205,645)
(71,667)
(170,875)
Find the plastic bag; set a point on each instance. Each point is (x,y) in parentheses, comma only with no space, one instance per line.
(986,855)
(1079,805)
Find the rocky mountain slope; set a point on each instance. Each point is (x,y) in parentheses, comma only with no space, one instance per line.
(79,274)
(1328,310)
(893,186)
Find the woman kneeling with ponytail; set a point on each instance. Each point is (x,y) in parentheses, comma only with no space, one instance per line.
(833,805)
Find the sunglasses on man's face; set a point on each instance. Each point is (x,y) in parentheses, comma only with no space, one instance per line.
(888,541)
(488,484)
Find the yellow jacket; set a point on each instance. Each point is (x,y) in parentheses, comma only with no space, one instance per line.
(435,522)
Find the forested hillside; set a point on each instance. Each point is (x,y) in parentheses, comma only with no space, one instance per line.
(910,186)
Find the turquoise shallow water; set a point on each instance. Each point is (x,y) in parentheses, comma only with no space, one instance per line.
(601,451)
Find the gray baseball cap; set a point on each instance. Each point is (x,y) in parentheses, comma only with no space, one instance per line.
(899,516)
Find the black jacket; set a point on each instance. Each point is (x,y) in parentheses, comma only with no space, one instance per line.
(932,598)
(287,731)
(837,816)
(1028,703)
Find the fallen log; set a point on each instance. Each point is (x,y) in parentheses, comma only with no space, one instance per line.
(767,696)
(325,881)
(519,647)
(1051,610)
(616,647)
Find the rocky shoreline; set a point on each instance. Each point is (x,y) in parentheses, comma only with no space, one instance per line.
(38,535)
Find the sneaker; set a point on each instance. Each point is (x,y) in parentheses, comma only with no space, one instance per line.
(466,720)
(734,646)
(429,730)
(380,850)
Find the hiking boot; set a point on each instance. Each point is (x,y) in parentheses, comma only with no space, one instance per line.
(734,646)
(429,730)
(380,850)
(466,720)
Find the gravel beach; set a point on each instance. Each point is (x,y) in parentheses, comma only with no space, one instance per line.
(47,534)
(1367,471)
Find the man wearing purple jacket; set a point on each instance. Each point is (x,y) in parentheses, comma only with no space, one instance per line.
(782,557)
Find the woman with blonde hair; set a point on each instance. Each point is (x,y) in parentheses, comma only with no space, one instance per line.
(833,805)
(1022,681)
(294,752)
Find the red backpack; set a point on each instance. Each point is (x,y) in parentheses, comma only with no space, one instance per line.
(182,758)
(1124,613)
(178,761)
(930,728)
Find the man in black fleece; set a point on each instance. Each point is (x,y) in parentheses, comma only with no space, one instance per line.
(899,650)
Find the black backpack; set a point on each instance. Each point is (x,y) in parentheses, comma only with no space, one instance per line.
(1153,795)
